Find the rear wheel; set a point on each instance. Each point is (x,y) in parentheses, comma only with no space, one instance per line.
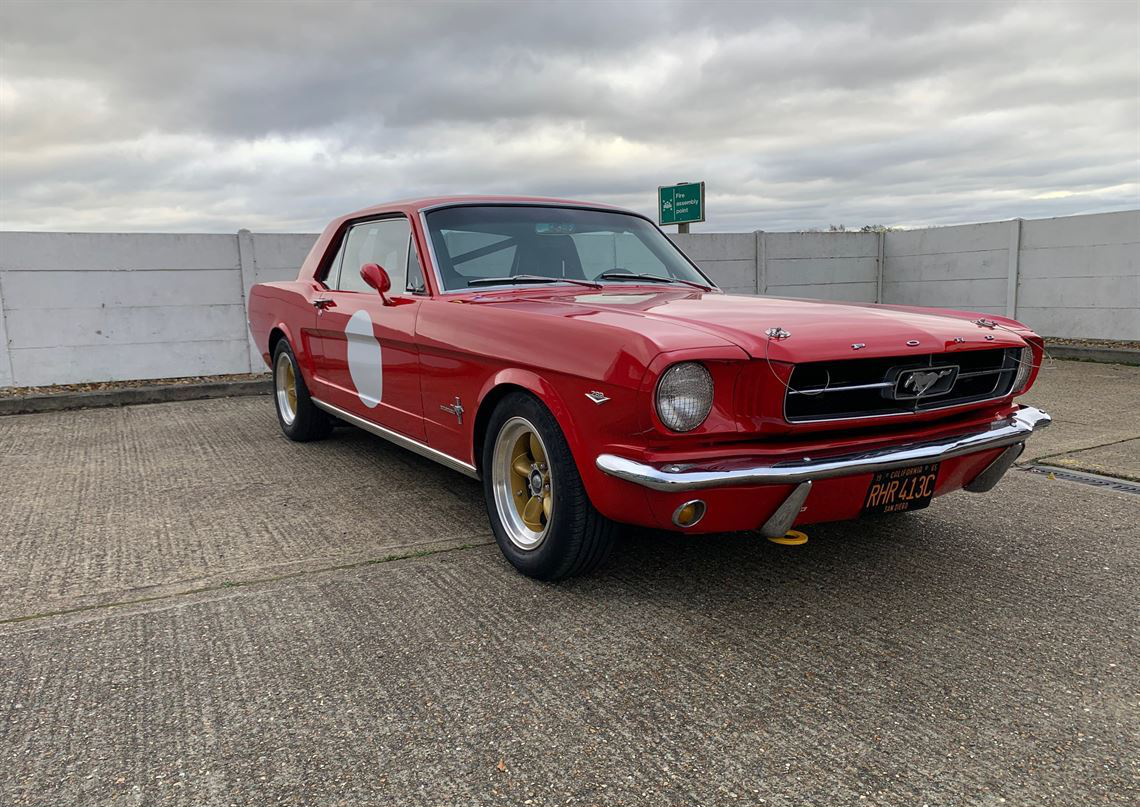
(299,417)
(542,518)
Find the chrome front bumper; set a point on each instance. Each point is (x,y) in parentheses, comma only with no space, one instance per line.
(675,477)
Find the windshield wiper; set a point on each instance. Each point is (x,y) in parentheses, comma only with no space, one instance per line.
(513,279)
(617,274)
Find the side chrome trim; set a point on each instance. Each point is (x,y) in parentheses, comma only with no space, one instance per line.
(673,477)
(401,440)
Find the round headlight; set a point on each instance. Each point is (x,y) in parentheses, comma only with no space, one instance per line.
(684,396)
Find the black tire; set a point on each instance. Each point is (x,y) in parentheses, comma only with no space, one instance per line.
(578,538)
(309,422)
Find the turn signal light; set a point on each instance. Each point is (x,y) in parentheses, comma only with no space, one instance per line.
(1024,358)
(689,513)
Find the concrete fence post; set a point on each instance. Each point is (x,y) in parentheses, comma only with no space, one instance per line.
(880,265)
(247,261)
(7,375)
(1014,261)
(761,262)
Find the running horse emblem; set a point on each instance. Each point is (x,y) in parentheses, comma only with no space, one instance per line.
(919,382)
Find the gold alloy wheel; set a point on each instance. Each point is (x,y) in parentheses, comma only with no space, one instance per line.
(285,383)
(522,482)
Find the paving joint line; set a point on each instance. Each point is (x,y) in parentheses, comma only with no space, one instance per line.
(232,584)
(1076,450)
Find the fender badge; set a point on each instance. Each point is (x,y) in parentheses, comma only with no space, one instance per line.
(912,343)
(597,396)
(858,346)
(454,409)
(777,333)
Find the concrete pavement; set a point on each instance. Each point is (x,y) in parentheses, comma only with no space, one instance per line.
(196,611)
(1092,405)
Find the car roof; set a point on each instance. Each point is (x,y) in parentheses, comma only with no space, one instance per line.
(412,207)
(417,204)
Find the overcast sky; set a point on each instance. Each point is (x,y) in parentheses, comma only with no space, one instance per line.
(211,116)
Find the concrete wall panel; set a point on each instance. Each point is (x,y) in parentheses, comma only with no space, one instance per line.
(1077,323)
(963,267)
(738,274)
(74,365)
(281,254)
(1101,260)
(820,271)
(86,289)
(1098,228)
(117,251)
(1080,276)
(716,246)
(78,327)
(982,264)
(846,292)
(1103,292)
(971,295)
(729,259)
(961,238)
(822,245)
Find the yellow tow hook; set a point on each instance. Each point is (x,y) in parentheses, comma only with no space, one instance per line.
(790,538)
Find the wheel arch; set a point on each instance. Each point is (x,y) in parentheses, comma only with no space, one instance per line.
(275,336)
(504,383)
(282,331)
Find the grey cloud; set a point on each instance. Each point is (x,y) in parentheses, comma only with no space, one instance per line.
(194,116)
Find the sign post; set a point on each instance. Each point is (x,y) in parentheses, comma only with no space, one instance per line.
(681,204)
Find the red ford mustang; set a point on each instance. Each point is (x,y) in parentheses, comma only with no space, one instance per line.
(574,360)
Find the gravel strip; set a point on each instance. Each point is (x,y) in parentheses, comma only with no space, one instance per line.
(104,386)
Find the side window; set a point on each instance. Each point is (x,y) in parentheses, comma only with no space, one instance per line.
(333,272)
(415,271)
(384,242)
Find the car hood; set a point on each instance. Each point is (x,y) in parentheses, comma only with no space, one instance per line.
(818,329)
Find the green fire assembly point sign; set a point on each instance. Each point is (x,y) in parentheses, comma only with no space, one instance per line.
(681,204)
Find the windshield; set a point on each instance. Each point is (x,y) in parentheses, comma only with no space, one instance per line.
(483,245)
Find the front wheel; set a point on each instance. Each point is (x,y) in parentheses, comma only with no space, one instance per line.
(542,518)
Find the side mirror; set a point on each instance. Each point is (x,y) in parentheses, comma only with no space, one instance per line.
(375,276)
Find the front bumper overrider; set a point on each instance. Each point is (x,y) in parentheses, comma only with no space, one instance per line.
(675,477)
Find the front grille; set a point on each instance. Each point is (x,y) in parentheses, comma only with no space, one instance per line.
(897,385)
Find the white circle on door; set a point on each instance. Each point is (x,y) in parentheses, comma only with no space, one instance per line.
(365,359)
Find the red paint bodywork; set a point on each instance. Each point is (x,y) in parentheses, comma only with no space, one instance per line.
(560,342)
